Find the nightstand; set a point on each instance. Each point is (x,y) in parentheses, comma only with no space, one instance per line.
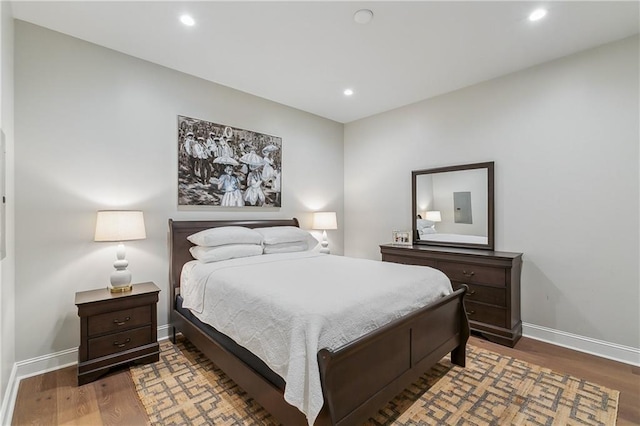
(116,328)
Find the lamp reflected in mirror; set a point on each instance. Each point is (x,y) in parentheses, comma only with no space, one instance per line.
(433,216)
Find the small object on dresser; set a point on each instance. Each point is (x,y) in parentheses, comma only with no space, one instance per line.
(116,328)
(401,238)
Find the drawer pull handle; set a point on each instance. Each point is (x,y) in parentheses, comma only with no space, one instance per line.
(122,345)
(470,292)
(119,323)
(471,312)
(468,274)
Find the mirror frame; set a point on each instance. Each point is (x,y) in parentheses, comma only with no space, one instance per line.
(489,166)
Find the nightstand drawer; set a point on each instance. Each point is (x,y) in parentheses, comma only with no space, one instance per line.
(488,314)
(118,342)
(480,293)
(474,274)
(119,320)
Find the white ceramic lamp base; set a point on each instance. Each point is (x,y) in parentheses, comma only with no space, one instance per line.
(324,243)
(121,277)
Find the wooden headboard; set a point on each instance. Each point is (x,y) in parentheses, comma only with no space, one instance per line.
(179,246)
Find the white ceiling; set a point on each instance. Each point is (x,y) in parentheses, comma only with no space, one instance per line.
(304,54)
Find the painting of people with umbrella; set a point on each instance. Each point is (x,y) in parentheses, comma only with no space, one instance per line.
(233,168)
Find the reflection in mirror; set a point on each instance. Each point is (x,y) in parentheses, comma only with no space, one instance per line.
(454,206)
(462,207)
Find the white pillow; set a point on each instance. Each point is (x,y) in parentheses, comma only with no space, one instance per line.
(287,247)
(225,235)
(282,234)
(425,231)
(229,251)
(424,223)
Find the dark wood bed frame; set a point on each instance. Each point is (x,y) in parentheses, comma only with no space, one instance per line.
(358,378)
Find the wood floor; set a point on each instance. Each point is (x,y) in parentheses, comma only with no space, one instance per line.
(55,399)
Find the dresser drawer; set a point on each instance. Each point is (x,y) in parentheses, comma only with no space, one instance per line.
(118,342)
(407,260)
(474,274)
(486,294)
(119,320)
(488,314)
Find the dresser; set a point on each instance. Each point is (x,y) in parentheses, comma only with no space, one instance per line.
(116,328)
(493,277)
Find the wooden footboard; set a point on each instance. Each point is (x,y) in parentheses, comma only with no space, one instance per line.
(358,378)
(361,377)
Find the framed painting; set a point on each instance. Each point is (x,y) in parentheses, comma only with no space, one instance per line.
(225,166)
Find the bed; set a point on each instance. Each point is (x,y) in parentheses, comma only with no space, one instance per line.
(427,232)
(454,238)
(356,378)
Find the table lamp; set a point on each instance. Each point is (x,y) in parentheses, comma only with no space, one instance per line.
(433,216)
(324,221)
(120,225)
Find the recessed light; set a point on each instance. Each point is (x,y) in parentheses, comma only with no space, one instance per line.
(363,16)
(537,14)
(187,20)
(348,92)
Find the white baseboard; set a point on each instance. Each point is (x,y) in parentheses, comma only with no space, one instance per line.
(40,365)
(163,332)
(613,351)
(9,400)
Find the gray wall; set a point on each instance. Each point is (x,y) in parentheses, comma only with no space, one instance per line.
(96,129)
(564,138)
(7,281)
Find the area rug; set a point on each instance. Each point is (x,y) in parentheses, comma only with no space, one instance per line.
(185,388)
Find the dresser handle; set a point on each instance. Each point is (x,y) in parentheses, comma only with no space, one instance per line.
(122,345)
(118,322)
(471,312)
(470,292)
(468,274)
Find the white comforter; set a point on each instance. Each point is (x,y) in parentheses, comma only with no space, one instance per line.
(286,307)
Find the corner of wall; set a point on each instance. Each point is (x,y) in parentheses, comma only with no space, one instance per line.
(7,264)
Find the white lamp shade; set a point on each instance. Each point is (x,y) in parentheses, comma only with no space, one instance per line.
(433,216)
(120,225)
(325,220)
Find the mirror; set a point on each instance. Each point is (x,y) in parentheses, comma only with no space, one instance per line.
(453,206)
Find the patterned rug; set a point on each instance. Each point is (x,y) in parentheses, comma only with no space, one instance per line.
(185,388)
